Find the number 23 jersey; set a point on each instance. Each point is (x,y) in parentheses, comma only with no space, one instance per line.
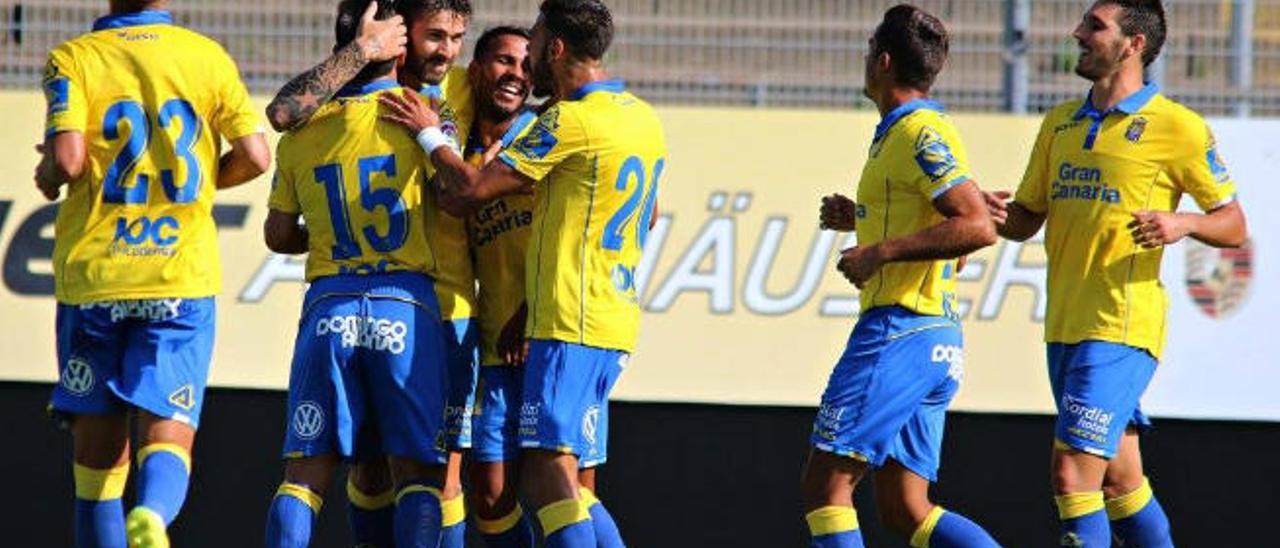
(153,101)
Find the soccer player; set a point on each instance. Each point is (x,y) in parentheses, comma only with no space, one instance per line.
(1104,179)
(499,236)
(918,209)
(583,308)
(435,32)
(137,110)
(370,354)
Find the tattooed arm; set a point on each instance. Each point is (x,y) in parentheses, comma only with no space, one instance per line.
(375,41)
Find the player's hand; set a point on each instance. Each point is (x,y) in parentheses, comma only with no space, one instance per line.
(409,110)
(491,153)
(1152,229)
(998,205)
(380,40)
(49,188)
(838,212)
(512,346)
(859,263)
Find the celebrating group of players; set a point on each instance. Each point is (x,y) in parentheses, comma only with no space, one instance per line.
(409,183)
(406,181)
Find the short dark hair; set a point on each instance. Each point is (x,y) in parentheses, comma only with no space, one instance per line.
(1145,17)
(344,29)
(489,39)
(586,26)
(917,44)
(411,9)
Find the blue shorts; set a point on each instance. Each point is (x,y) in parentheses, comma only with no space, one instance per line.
(1096,387)
(566,399)
(887,397)
(151,354)
(368,367)
(461,338)
(494,425)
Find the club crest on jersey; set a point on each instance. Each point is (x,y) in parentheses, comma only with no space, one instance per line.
(933,155)
(1136,128)
(308,420)
(57,92)
(1216,166)
(183,398)
(541,139)
(1218,280)
(77,377)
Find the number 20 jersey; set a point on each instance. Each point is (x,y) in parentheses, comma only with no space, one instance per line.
(358,183)
(597,158)
(153,101)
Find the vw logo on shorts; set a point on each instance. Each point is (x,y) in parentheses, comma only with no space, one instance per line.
(308,420)
(590,421)
(77,377)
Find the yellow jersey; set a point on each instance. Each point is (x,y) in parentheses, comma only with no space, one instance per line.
(1089,172)
(916,156)
(499,240)
(598,156)
(153,101)
(358,183)
(455,277)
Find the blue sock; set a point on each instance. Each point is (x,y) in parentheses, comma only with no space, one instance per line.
(418,516)
(943,529)
(453,523)
(510,531)
(164,472)
(100,523)
(567,524)
(99,510)
(607,534)
(834,527)
(372,517)
(1138,520)
(291,516)
(1083,519)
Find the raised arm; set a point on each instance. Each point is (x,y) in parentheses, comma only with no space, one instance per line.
(62,161)
(248,158)
(375,41)
(1013,220)
(967,228)
(1221,227)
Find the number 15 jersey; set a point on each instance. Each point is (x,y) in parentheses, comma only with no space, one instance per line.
(153,101)
(597,157)
(358,183)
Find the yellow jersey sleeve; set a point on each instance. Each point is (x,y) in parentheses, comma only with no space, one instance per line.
(941,161)
(284,195)
(235,116)
(64,93)
(1033,191)
(556,136)
(1200,170)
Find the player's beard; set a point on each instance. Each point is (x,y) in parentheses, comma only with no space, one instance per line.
(544,83)
(1098,62)
(420,67)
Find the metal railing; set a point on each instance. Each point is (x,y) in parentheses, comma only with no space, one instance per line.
(1222,56)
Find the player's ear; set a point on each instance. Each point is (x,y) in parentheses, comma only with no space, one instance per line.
(884,62)
(556,48)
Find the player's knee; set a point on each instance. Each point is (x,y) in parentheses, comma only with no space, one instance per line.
(900,516)
(313,472)
(406,471)
(1119,485)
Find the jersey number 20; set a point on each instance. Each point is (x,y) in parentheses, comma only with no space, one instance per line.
(633,170)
